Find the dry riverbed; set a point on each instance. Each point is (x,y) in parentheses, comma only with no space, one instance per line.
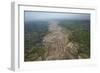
(57,43)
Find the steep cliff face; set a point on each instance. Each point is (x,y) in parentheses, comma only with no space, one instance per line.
(57,43)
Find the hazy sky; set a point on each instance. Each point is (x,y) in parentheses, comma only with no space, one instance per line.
(34,16)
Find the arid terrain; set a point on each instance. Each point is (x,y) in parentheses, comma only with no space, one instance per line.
(57,43)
